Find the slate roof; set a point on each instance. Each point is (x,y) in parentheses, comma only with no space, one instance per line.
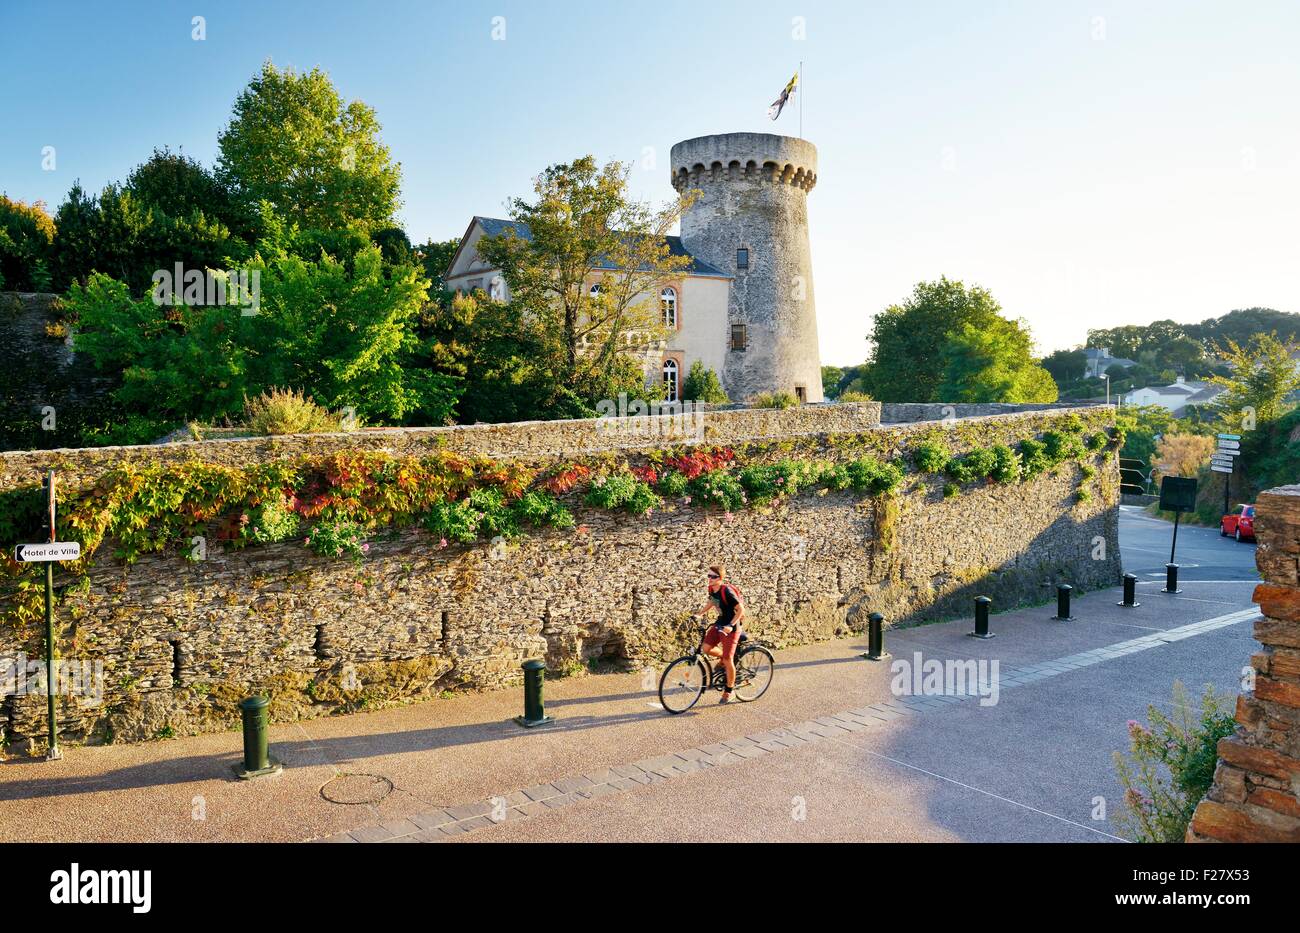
(494,226)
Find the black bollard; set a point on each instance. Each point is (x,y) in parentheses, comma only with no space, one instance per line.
(1171,579)
(257,760)
(1130,591)
(534,708)
(1063,603)
(982,604)
(876,638)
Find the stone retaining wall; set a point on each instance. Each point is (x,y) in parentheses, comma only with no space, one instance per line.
(1257,781)
(182,642)
(905,412)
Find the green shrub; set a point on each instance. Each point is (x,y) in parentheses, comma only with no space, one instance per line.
(780,400)
(1170,766)
(287,411)
(339,538)
(672,483)
(1082,495)
(1087,471)
(973,466)
(1060,446)
(718,488)
(270,522)
(854,396)
(1097,442)
(496,516)
(870,475)
(1071,423)
(1006,464)
(541,508)
(622,491)
(930,457)
(453,521)
(951,490)
(702,385)
(836,476)
(1033,458)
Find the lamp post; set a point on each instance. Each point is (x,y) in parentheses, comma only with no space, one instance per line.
(1106,376)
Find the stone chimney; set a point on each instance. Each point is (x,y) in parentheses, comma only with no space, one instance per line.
(1257,781)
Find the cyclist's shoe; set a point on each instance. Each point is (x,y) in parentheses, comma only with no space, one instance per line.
(727,697)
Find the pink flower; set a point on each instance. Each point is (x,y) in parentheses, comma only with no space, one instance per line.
(727,516)
(365,549)
(306,540)
(442,542)
(686,500)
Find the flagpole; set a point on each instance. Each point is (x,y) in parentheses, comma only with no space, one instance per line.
(801,99)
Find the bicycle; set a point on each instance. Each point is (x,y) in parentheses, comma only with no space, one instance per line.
(685,679)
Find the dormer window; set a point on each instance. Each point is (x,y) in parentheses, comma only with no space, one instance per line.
(668,304)
(742,258)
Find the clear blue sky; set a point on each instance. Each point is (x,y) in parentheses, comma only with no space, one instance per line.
(1091,163)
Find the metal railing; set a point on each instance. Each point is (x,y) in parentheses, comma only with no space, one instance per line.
(1132,479)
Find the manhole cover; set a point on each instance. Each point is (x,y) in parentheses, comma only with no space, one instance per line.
(357,788)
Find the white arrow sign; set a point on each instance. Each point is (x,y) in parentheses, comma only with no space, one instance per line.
(51,551)
(1220,469)
(1229,445)
(1225,452)
(1228,437)
(1220,458)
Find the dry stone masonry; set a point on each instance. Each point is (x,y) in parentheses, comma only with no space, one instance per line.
(1257,781)
(182,641)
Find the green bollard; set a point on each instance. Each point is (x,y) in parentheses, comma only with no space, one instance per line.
(257,761)
(534,709)
(876,638)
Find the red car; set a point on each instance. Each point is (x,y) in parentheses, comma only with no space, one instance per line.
(1240,524)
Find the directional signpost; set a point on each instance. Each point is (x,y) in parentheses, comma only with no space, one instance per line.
(1224,461)
(49,553)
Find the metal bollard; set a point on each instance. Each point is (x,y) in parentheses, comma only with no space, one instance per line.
(982,604)
(876,638)
(257,760)
(1063,592)
(1130,591)
(1171,579)
(534,708)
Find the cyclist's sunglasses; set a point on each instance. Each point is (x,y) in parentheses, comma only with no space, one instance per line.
(714,576)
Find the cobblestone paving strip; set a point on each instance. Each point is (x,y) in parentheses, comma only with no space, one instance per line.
(440,824)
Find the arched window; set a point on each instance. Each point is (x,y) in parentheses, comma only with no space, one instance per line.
(668,304)
(594,291)
(670,380)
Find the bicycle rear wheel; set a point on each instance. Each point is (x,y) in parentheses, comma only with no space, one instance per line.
(682,684)
(755,668)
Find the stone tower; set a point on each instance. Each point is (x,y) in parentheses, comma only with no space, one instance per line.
(750,220)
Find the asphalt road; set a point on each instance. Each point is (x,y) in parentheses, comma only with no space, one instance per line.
(1202,554)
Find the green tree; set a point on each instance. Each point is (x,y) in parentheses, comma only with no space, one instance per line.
(702,385)
(1262,375)
(342,333)
(435,257)
(907,363)
(1065,366)
(587,263)
(26,240)
(993,363)
(293,141)
(831,376)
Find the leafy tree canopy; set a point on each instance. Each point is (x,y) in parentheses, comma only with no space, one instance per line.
(293,141)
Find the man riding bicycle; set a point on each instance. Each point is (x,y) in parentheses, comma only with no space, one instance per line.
(724,634)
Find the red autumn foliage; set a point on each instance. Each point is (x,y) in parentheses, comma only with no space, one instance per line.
(701,461)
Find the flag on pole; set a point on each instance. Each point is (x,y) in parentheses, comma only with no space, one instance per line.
(777,105)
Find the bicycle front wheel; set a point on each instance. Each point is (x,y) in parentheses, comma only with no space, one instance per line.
(682,684)
(755,668)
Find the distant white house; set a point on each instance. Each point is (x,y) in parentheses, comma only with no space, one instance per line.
(1096,360)
(1177,398)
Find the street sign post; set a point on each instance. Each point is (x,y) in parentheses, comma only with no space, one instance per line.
(1223,462)
(49,553)
(1177,495)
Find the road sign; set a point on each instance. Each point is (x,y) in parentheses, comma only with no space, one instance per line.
(1229,445)
(1225,452)
(1177,494)
(1214,467)
(1222,461)
(50,551)
(1228,437)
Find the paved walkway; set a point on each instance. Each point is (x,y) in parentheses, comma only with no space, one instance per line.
(831,752)
(440,824)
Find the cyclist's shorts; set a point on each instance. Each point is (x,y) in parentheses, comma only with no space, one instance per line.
(716,636)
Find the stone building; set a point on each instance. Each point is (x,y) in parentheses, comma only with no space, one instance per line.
(744,306)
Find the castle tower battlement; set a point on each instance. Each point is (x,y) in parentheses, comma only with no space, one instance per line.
(750,219)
